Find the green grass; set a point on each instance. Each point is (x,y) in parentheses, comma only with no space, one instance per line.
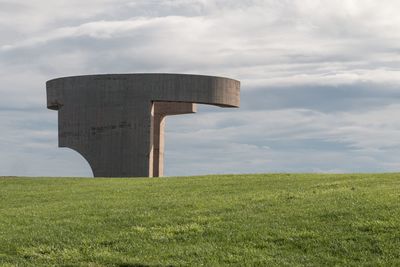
(241,220)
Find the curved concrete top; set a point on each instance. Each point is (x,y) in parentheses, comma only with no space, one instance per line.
(201,89)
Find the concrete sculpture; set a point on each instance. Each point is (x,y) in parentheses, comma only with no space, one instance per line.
(116,121)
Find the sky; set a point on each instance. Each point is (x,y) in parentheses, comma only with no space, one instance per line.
(319,80)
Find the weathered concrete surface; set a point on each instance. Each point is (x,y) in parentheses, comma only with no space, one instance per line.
(116,121)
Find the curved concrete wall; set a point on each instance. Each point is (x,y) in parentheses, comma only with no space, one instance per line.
(116,120)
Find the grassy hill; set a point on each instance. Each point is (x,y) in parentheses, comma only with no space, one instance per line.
(243,220)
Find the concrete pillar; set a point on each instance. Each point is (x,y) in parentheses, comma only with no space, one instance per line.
(161,110)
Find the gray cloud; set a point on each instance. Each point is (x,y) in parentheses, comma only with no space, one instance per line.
(320,82)
(324,98)
(287,140)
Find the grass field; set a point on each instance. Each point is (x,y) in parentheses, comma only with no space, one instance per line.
(241,220)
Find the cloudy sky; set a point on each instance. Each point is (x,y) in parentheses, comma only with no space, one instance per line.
(320,80)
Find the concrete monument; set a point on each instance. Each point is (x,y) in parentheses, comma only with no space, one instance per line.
(116,121)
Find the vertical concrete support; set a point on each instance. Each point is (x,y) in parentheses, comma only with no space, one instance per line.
(117,121)
(161,110)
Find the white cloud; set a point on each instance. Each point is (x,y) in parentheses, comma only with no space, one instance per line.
(285,140)
(270,45)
